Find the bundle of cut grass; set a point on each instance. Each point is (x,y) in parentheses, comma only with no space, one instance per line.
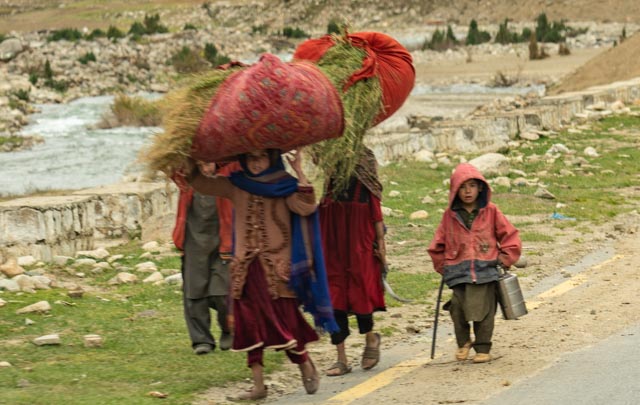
(375,74)
(182,111)
(358,81)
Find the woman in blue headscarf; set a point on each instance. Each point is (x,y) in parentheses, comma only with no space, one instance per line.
(278,262)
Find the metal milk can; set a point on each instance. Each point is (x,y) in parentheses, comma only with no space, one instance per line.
(510,296)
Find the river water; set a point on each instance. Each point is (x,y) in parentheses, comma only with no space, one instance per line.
(74,155)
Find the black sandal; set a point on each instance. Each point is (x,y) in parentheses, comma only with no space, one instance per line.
(371,353)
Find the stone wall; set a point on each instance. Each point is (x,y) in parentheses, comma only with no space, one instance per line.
(46,226)
(493,132)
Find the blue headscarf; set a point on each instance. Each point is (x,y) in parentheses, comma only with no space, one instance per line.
(308,274)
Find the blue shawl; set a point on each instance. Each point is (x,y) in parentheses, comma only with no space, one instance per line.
(308,274)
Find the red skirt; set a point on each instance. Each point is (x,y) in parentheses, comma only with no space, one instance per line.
(354,273)
(261,321)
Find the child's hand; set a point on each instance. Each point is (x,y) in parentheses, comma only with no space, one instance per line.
(296,165)
(295,160)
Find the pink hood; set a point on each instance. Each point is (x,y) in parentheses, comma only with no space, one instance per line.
(464,172)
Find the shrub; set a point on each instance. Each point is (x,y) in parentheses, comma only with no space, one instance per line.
(48,72)
(259,29)
(290,32)
(212,56)
(2,37)
(153,26)
(333,28)
(137,30)
(97,33)
(441,40)
(114,33)
(475,36)
(22,94)
(57,85)
(546,32)
(188,61)
(504,35)
(189,26)
(87,57)
(135,111)
(66,34)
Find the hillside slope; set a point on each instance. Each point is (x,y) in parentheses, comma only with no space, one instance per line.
(615,64)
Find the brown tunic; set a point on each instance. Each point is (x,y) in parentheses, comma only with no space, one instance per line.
(262,230)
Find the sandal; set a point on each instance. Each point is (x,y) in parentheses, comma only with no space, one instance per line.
(340,366)
(371,353)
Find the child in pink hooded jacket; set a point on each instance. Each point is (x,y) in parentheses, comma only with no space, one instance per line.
(472,240)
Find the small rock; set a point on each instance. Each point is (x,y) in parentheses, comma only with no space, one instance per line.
(9,285)
(29,322)
(84,262)
(591,152)
(4,364)
(26,261)
(558,148)
(428,200)
(157,276)
(99,253)
(175,279)
(502,181)
(114,258)
(92,340)
(529,136)
(544,193)
(61,260)
(394,193)
(152,246)
(124,278)
(75,293)
(146,267)
(2,303)
(41,306)
(420,214)
(53,339)
(11,268)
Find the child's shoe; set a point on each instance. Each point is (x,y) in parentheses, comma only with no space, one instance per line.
(463,352)
(481,358)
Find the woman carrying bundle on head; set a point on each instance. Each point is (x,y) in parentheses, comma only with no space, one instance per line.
(353,242)
(277,262)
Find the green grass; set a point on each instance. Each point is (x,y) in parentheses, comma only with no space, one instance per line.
(146,343)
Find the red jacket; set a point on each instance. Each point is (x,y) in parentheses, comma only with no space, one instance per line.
(225,214)
(465,255)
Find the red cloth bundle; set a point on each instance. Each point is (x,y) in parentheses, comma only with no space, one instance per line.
(270,104)
(386,59)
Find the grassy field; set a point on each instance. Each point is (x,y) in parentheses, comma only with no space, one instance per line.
(33,15)
(146,344)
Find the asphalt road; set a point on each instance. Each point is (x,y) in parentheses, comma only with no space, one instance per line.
(606,373)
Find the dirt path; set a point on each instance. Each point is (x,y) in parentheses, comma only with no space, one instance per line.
(595,296)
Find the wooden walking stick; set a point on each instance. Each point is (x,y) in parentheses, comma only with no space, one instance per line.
(435,322)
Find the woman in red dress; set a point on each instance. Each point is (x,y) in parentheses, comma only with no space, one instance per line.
(354,248)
